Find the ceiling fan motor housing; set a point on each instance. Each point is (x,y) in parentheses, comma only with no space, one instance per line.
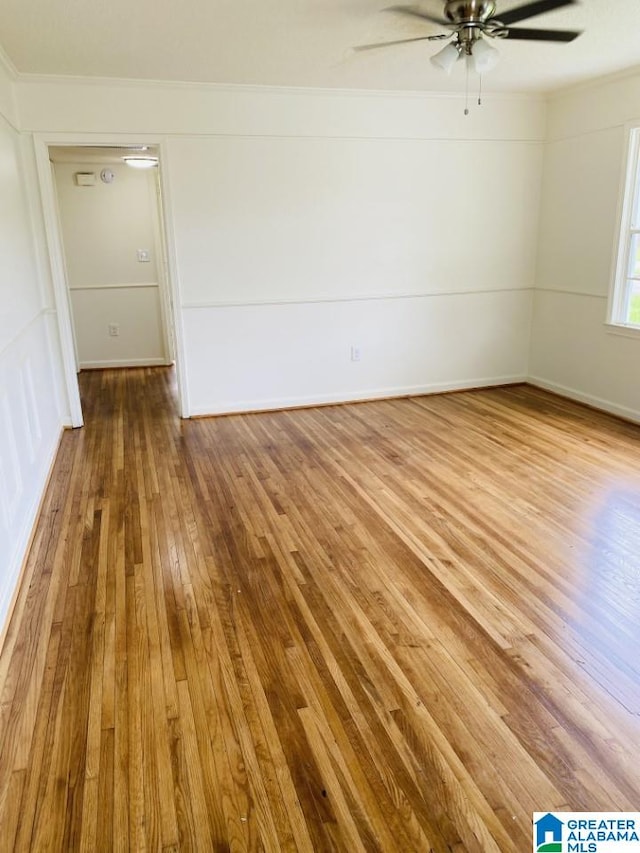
(469,21)
(469,11)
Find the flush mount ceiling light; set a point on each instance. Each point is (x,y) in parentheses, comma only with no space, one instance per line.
(471,22)
(141,162)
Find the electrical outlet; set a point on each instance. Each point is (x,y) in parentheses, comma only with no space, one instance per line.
(114,330)
(355,353)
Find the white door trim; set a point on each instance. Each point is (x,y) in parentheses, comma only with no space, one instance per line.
(58,275)
(42,141)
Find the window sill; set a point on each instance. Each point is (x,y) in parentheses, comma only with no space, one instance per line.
(622,330)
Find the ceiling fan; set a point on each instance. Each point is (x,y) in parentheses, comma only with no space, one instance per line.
(470,21)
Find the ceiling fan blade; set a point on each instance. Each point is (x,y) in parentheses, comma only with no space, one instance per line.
(360,47)
(542,35)
(530,10)
(416,12)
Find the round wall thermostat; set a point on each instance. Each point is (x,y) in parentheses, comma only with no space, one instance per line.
(107,176)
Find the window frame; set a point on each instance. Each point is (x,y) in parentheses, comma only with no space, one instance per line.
(630,192)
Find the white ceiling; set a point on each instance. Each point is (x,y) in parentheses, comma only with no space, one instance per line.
(298,43)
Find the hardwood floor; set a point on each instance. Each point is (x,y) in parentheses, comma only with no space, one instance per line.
(395,626)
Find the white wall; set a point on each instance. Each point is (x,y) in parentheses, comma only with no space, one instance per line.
(308,222)
(104,226)
(30,411)
(291,251)
(573,351)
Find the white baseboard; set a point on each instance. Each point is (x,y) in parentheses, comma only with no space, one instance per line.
(125,362)
(17,563)
(589,399)
(275,404)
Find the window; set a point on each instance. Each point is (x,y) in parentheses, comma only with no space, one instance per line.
(625,297)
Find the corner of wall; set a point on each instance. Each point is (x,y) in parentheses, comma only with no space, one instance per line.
(536,269)
(572,352)
(8,94)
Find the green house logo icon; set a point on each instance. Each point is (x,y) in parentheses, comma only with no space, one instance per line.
(548,832)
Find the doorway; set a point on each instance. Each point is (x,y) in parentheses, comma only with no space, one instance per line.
(106,228)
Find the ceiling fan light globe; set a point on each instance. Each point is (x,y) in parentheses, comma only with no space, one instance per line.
(446,58)
(484,56)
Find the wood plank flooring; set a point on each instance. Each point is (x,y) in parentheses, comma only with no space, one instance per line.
(394,626)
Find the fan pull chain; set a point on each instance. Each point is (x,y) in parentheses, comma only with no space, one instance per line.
(466,88)
(480,91)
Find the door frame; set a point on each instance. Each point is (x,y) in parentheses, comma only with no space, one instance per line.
(48,195)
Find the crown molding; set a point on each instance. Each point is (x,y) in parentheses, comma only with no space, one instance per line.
(248,88)
(594,83)
(9,72)
(8,65)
